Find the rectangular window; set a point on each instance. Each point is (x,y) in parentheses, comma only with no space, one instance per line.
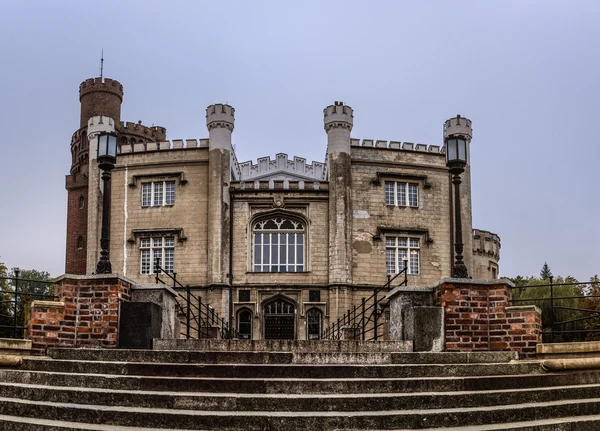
(158,193)
(157,249)
(401,194)
(244,296)
(399,248)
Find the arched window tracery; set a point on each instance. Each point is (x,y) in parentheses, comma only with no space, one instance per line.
(279,245)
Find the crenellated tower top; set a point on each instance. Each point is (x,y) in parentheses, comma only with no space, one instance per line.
(458,126)
(338,115)
(100,97)
(220,115)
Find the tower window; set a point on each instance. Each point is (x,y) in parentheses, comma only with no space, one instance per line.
(161,249)
(401,194)
(399,247)
(81,202)
(158,193)
(79,242)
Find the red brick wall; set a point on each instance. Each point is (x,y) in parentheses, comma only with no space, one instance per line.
(75,261)
(479,317)
(87,314)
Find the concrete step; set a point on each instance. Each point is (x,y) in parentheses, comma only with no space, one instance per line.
(299,421)
(268,357)
(297,385)
(279,370)
(292,402)
(573,423)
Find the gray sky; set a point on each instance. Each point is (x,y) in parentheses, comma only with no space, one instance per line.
(525,72)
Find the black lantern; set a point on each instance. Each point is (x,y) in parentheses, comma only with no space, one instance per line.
(456,160)
(456,154)
(107,157)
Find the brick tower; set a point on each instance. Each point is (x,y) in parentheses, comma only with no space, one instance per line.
(97,97)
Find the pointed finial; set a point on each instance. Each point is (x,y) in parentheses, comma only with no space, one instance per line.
(102,65)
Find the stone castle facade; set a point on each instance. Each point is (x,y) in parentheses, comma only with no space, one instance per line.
(280,247)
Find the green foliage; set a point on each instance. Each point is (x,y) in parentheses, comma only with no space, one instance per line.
(30,283)
(592,303)
(545,273)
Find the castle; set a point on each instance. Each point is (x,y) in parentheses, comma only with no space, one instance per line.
(280,247)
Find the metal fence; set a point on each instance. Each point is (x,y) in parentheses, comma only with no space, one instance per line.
(570,310)
(198,318)
(365,321)
(15,303)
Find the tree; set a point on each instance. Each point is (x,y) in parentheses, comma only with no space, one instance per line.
(545,273)
(5,300)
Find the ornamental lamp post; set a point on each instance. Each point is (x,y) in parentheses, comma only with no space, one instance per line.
(107,157)
(456,160)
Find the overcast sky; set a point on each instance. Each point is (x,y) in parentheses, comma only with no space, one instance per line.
(525,72)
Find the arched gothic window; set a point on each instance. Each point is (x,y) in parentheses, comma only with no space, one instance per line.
(279,245)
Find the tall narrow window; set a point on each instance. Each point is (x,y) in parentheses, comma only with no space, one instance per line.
(158,193)
(313,323)
(244,324)
(161,249)
(401,194)
(399,247)
(278,245)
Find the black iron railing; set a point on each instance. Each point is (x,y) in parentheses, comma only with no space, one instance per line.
(570,310)
(198,318)
(15,304)
(364,322)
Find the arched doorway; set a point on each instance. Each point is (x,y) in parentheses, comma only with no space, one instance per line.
(280,316)
(244,324)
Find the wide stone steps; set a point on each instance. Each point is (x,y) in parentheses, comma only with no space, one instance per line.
(268,391)
(300,421)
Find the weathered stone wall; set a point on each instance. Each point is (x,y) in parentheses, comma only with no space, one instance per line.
(372,218)
(186,220)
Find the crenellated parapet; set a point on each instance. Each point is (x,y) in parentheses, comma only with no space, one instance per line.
(106,85)
(220,115)
(486,243)
(174,145)
(282,165)
(130,133)
(397,145)
(458,126)
(100,97)
(289,185)
(80,148)
(338,115)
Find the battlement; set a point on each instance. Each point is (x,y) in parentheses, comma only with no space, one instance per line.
(101,85)
(175,144)
(220,115)
(338,115)
(290,185)
(397,145)
(458,126)
(486,243)
(281,164)
(154,133)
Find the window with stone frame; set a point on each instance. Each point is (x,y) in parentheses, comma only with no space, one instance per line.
(397,248)
(158,193)
(401,194)
(158,249)
(278,245)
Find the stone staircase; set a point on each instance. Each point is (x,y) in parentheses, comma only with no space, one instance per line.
(356,386)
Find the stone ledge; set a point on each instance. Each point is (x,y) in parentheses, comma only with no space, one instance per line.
(523,309)
(586,347)
(41,303)
(93,277)
(13,344)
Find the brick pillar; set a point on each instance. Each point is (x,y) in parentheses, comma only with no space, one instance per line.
(85,315)
(478,317)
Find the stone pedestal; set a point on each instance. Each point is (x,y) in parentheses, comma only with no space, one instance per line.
(165,298)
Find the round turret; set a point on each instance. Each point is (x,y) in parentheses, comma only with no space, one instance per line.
(458,126)
(100,97)
(338,115)
(220,115)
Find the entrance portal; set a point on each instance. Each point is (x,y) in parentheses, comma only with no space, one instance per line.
(280,318)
